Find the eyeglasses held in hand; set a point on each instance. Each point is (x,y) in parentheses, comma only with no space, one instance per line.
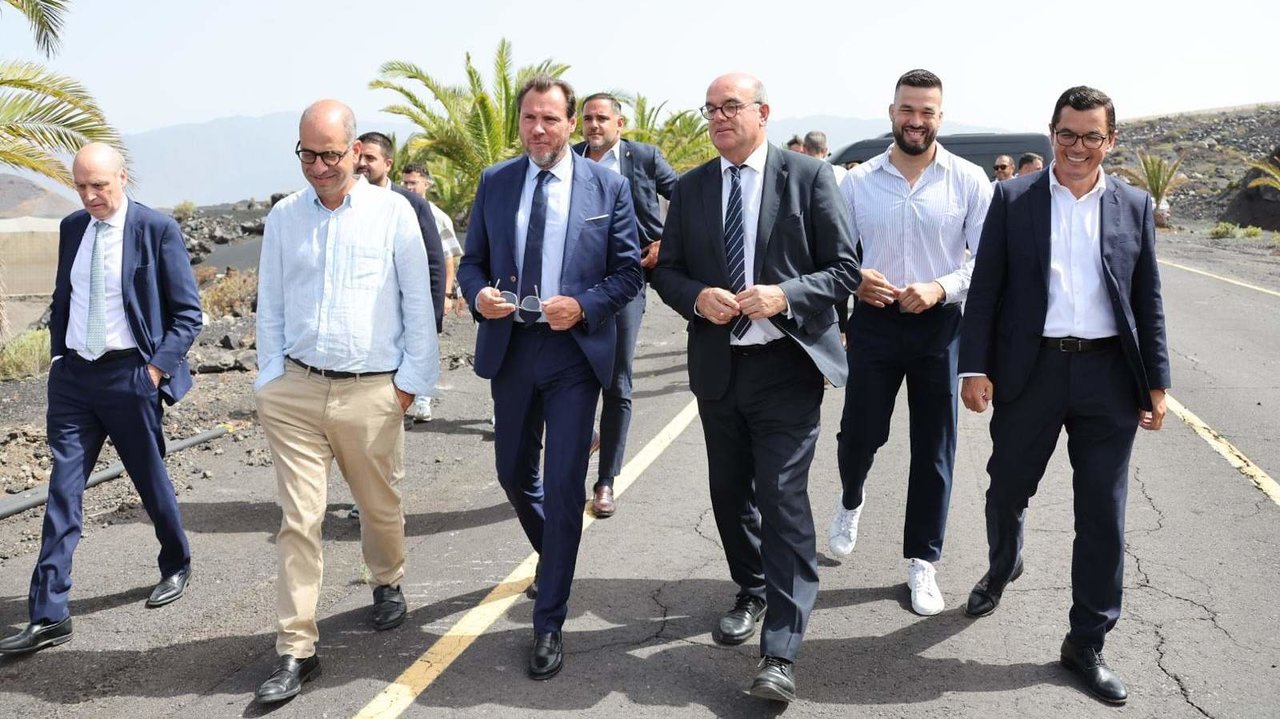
(329,158)
(530,303)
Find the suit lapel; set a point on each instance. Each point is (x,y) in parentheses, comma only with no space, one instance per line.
(711,191)
(511,208)
(131,241)
(582,197)
(1109,221)
(1041,232)
(773,179)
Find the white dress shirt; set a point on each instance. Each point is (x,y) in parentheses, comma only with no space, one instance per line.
(919,234)
(611,159)
(347,289)
(559,189)
(761,331)
(119,336)
(1078,302)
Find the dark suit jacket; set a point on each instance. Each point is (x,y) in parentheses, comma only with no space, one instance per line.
(161,302)
(802,244)
(601,258)
(435,249)
(1009,294)
(650,176)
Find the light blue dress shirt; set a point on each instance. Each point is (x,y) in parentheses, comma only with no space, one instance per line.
(347,289)
(559,189)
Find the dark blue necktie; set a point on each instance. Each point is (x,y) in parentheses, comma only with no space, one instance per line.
(735,241)
(531,271)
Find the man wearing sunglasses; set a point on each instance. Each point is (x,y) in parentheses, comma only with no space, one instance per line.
(1003,168)
(1065,318)
(346,339)
(551,257)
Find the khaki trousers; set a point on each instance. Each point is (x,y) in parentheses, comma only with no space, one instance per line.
(309,422)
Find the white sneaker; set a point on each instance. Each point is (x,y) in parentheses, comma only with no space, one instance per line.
(420,410)
(926,600)
(842,535)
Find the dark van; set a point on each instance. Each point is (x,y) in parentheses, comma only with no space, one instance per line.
(980,148)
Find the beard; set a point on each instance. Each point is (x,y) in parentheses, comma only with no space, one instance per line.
(900,139)
(546,159)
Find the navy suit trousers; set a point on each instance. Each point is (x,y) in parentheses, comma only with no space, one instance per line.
(615,412)
(546,383)
(89,402)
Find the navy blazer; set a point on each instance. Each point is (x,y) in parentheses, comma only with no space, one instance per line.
(650,176)
(1009,293)
(803,245)
(601,267)
(158,288)
(435,249)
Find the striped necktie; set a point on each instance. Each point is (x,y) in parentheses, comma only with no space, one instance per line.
(95,333)
(735,240)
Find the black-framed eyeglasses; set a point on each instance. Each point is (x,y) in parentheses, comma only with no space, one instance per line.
(730,109)
(329,158)
(1091,140)
(1002,167)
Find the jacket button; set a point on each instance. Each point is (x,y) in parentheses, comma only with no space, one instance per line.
(512,279)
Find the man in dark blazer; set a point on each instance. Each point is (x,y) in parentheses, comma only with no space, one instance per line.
(125,312)
(756,252)
(650,177)
(1065,319)
(551,257)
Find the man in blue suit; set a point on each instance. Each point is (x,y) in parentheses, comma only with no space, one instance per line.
(125,312)
(551,257)
(1065,318)
(650,177)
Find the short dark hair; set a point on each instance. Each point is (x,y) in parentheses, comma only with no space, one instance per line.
(795,140)
(918,78)
(1029,158)
(815,141)
(613,101)
(381,140)
(415,167)
(543,82)
(1081,98)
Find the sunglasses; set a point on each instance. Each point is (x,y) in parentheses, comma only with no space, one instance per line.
(1002,167)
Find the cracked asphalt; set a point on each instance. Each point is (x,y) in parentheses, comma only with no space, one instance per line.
(1199,635)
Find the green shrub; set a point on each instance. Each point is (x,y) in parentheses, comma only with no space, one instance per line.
(1252,232)
(184,210)
(1222,230)
(25,355)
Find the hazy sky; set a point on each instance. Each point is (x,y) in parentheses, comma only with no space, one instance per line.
(154,63)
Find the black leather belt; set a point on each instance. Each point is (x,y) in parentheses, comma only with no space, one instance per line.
(335,374)
(109,355)
(1076,344)
(749,350)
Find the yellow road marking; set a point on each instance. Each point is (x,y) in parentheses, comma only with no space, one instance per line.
(401,693)
(1234,456)
(1228,280)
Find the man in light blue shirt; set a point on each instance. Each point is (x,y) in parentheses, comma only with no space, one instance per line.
(346,340)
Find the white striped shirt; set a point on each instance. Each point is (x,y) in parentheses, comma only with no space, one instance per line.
(919,234)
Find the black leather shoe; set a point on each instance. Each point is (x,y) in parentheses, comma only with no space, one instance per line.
(986,595)
(547,657)
(388,607)
(532,590)
(169,589)
(287,678)
(739,624)
(1088,664)
(36,637)
(775,681)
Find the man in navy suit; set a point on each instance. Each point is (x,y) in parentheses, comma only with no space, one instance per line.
(551,257)
(1065,319)
(125,312)
(650,177)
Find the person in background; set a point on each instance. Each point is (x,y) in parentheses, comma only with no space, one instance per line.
(1029,162)
(1003,168)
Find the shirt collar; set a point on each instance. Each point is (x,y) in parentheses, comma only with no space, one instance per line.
(1098,186)
(117,218)
(942,158)
(362,185)
(755,160)
(561,169)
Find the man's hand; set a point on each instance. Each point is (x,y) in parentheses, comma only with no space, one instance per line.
(1153,420)
(562,312)
(156,374)
(875,289)
(405,398)
(921,296)
(491,305)
(649,255)
(717,305)
(977,392)
(761,302)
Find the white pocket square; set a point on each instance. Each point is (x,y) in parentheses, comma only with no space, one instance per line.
(597,217)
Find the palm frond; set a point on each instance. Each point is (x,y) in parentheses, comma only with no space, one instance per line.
(46,18)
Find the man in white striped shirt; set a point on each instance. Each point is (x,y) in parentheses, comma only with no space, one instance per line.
(915,210)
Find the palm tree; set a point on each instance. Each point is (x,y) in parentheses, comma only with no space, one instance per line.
(1270,176)
(463,128)
(1158,177)
(682,136)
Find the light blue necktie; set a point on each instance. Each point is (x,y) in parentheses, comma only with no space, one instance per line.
(95,333)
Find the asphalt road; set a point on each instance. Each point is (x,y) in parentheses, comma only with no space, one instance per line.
(1198,637)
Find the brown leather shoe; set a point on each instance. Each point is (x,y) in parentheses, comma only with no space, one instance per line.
(602,503)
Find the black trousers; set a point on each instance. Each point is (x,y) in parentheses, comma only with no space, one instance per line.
(1093,395)
(760,441)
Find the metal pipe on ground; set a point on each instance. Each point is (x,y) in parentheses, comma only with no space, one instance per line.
(37,496)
